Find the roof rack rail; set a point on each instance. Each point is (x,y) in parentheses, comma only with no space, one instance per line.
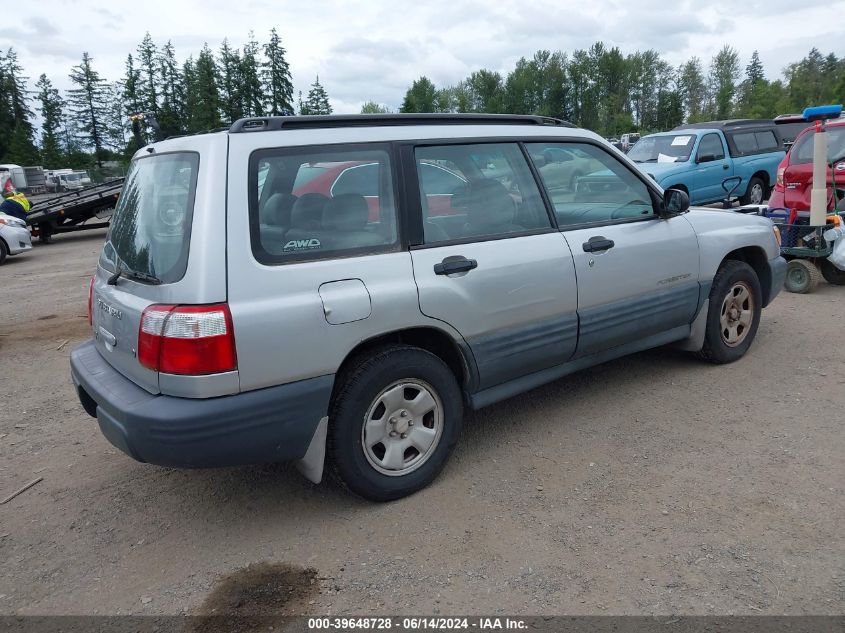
(729,124)
(272,123)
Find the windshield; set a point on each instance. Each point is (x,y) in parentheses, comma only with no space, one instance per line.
(671,148)
(151,228)
(71,177)
(802,151)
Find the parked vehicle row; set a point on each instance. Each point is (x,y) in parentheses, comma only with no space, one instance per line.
(699,158)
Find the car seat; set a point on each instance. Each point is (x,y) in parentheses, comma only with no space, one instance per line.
(490,210)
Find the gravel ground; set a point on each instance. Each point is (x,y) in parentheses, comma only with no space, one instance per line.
(654,484)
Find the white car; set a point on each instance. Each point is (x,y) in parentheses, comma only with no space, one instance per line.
(14,236)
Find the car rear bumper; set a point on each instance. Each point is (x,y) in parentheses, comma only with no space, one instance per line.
(262,426)
(777,266)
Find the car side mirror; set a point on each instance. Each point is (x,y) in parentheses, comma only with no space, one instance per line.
(675,202)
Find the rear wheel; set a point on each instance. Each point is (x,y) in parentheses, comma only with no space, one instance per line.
(801,276)
(831,273)
(755,193)
(733,315)
(393,422)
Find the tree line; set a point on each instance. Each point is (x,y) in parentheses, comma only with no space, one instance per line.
(603,90)
(90,123)
(599,88)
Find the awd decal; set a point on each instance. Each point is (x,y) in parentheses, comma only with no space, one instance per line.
(302,245)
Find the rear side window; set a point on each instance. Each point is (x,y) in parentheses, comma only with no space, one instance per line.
(310,203)
(755,142)
(150,231)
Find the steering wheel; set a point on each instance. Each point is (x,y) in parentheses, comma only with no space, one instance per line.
(617,212)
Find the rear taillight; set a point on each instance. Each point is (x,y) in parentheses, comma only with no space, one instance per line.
(91,302)
(187,340)
(779,179)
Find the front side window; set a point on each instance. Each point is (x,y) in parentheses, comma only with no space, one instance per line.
(317,202)
(477,191)
(150,231)
(592,187)
(711,148)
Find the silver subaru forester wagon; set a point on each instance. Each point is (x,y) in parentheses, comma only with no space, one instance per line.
(339,289)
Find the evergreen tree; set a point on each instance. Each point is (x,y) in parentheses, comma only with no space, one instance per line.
(148,82)
(88,105)
(229,82)
(317,101)
(276,79)
(17,144)
(754,100)
(204,102)
(171,118)
(421,97)
(51,123)
(252,93)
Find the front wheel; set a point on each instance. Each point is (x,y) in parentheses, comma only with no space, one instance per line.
(394,421)
(3,252)
(733,315)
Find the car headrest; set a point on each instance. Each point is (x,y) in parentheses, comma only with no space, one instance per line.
(490,204)
(346,212)
(277,209)
(307,211)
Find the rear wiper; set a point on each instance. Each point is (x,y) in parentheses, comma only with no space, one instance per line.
(151,279)
(118,272)
(132,274)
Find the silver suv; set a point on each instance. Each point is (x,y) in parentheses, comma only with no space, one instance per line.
(341,288)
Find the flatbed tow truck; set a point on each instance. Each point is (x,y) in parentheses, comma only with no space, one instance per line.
(74,211)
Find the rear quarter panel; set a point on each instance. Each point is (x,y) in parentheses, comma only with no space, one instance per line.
(747,166)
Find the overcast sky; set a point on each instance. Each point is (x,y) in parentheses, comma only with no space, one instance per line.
(375,49)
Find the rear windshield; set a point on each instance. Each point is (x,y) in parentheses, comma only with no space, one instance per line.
(802,151)
(672,148)
(151,227)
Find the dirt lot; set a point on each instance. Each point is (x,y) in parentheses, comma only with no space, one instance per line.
(651,485)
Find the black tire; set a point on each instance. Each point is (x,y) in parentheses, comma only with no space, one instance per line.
(802,276)
(45,233)
(748,195)
(4,252)
(358,390)
(731,275)
(831,273)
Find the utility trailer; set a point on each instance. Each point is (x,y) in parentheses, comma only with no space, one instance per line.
(72,211)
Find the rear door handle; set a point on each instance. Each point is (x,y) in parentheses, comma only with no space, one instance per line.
(598,243)
(455,264)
